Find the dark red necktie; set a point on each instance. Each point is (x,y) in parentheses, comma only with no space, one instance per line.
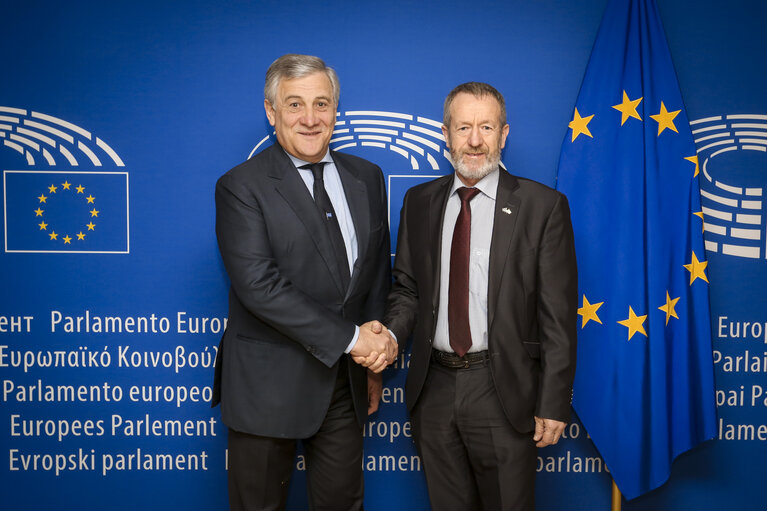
(458,290)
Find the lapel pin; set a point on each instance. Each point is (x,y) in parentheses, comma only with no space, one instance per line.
(506,210)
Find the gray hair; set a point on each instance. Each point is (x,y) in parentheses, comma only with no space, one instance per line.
(297,66)
(478,90)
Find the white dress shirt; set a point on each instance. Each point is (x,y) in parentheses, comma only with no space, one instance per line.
(482,220)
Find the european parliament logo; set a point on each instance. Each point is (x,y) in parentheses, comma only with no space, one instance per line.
(62,211)
(411,148)
(730,147)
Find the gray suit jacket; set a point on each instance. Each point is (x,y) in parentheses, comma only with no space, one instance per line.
(289,317)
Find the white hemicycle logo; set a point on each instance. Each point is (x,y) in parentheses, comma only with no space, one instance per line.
(44,138)
(734,214)
(417,139)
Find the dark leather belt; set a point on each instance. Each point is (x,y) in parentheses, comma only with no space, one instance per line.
(453,361)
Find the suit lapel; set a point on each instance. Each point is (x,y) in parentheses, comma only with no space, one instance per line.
(434,229)
(506,214)
(293,189)
(357,198)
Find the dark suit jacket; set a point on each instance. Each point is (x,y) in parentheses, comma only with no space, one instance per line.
(289,318)
(532,292)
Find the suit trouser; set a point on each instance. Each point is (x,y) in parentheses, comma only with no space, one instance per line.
(472,457)
(260,467)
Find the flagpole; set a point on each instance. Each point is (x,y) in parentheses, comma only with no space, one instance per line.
(616,506)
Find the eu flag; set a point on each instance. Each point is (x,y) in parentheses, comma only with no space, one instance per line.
(66,212)
(644,387)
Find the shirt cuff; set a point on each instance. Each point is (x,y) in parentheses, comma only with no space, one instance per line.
(350,347)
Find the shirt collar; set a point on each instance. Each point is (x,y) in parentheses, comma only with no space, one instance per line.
(488,185)
(298,161)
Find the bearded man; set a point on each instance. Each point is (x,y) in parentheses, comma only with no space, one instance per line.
(485,280)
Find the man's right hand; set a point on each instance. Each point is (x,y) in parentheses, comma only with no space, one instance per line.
(375,348)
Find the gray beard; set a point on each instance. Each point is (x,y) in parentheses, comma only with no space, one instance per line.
(490,165)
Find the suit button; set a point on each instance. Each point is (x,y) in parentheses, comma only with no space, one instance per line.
(429,341)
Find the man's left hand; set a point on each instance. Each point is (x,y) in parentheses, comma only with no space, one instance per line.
(375,388)
(547,431)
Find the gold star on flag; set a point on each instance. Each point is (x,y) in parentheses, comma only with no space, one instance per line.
(90,199)
(668,307)
(43,226)
(94,212)
(694,159)
(53,235)
(580,125)
(52,189)
(80,189)
(589,311)
(42,198)
(65,185)
(634,323)
(80,236)
(67,240)
(91,226)
(697,269)
(39,212)
(628,108)
(665,119)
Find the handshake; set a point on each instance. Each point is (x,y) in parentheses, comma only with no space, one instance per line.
(375,347)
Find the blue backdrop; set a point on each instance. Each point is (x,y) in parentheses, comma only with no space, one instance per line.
(122,115)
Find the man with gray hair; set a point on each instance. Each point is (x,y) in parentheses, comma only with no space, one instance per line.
(485,280)
(304,237)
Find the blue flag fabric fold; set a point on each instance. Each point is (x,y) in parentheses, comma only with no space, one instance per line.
(644,386)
